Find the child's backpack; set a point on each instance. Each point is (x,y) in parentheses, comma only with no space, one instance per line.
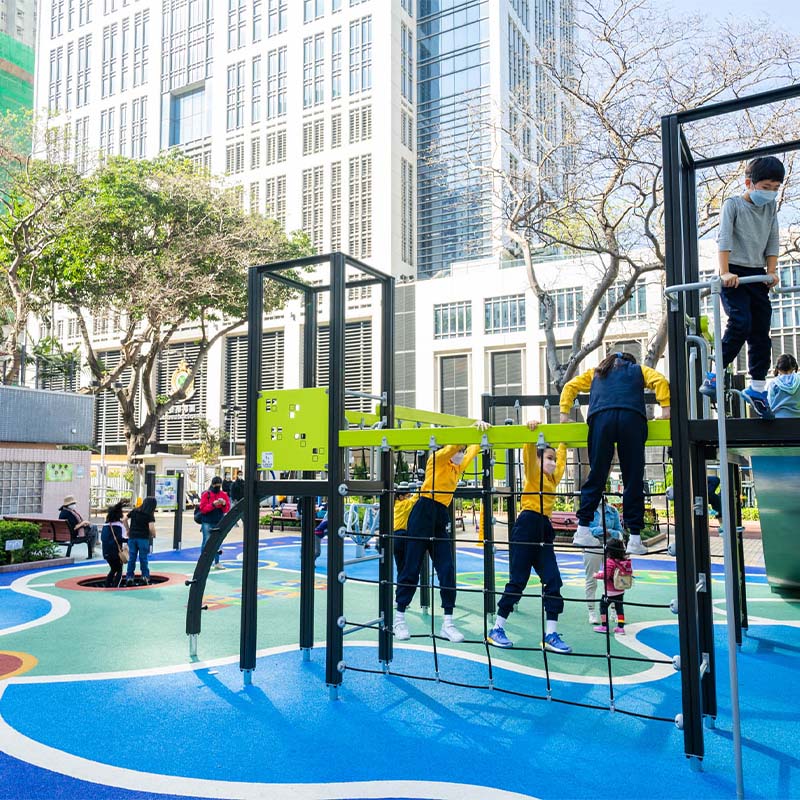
(622,577)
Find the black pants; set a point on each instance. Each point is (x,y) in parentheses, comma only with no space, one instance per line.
(749,320)
(399,548)
(530,548)
(628,431)
(114,577)
(714,500)
(430,521)
(619,606)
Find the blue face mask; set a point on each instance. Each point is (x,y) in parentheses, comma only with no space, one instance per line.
(761,197)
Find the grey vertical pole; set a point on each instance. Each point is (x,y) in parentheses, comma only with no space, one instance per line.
(684,517)
(386,543)
(255,308)
(307,560)
(337,472)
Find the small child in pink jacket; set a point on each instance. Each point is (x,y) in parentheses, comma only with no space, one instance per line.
(617,577)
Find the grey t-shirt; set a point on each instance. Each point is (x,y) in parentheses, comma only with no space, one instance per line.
(749,232)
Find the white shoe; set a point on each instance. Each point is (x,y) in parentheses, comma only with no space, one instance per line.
(584,540)
(449,631)
(401,631)
(637,549)
(593,620)
(217,566)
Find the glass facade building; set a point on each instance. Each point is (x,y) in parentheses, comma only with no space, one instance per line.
(454,203)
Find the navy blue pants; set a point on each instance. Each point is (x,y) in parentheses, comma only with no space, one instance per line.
(714,499)
(428,532)
(628,431)
(399,549)
(531,548)
(749,319)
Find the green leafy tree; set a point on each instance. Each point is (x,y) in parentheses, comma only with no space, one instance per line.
(156,245)
(209,446)
(36,196)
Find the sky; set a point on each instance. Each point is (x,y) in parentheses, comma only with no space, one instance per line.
(784,12)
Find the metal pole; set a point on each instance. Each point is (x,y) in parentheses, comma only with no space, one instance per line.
(727,543)
(177,529)
(103,481)
(489,574)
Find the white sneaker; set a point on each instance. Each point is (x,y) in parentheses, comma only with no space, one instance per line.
(218,566)
(449,631)
(637,549)
(401,631)
(593,620)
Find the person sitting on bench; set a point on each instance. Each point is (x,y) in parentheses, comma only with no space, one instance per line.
(78,526)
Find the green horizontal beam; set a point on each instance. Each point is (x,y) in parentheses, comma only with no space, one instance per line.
(409,418)
(573,434)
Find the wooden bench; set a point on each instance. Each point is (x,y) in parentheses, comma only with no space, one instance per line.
(564,522)
(287,515)
(58,531)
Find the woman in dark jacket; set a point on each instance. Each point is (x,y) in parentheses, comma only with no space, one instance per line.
(112,537)
(141,530)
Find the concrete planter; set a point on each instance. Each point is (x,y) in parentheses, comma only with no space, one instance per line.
(48,562)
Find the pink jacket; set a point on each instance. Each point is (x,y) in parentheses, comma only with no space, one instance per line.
(624,566)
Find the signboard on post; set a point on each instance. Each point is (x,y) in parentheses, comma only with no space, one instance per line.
(166,492)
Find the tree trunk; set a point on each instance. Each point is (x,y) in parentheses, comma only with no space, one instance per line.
(658,344)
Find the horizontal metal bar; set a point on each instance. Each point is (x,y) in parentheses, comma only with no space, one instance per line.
(373,557)
(787,290)
(747,433)
(358,627)
(294,263)
(366,268)
(364,487)
(298,286)
(573,434)
(738,104)
(293,486)
(366,395)
(746,155)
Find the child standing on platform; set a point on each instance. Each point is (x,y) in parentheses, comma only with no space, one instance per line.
(617,575)
(749,244)
(783,394)
(429,531)
(403,503)
(617,416)
(531,545)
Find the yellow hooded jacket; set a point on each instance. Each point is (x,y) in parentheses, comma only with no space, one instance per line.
(536,481)
(402,511)
(442,475)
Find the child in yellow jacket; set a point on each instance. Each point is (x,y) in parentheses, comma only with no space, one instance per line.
(429,530)
(617,416)
(403,503)
(531,545)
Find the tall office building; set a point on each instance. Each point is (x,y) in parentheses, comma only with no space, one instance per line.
(18,20)
(16,75)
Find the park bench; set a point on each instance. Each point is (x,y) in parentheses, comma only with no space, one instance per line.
(564,522)
(286,515)
(58,531)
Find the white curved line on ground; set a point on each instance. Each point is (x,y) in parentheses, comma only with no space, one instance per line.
(59,606)
(30,751)
(758,620)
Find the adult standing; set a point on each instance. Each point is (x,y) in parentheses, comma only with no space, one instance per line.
(112,537)
(141,530)
(214,505)
(78,526)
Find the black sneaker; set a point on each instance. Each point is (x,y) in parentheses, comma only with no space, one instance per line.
(129,582)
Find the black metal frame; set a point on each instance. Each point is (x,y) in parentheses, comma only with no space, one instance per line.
(691,439)
(336,484)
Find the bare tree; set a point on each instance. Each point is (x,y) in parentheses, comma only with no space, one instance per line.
(591,181)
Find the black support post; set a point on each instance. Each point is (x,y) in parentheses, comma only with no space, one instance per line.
(489,576)
(177,528)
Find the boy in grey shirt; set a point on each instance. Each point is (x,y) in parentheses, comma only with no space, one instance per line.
(749,245)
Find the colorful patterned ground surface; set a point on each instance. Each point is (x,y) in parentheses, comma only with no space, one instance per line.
(100,698)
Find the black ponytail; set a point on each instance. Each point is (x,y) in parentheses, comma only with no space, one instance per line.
(606,365)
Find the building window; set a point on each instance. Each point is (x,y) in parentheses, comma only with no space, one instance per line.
(56,69)
(276,16)
(180,424)
(406,211)
(336,5)
(336,206)
(504,314)
(360,219)
(187,117)
(568,307)
(109,60)
(83,78)
(313,9)
(361,55)
(313,137)
(506,379)
(276,199)
(521,7)
(255,197)
(138,127)
(21,487)
(257,11)
(84,12)
(186,44)
(234,158)
(276,83)
(276,147)
(236,24)
(123,129)
(107,132)
(125,54)
(81,144)
(360,124)
(635,308)
(451,320)
(357,365)
(56,18)
(313,202)
(336,131)
(406,63)
(255,153)
(454,385)
(235,96)
(141,47)
(255,103)
(336,63)
(519,60)
(406,129)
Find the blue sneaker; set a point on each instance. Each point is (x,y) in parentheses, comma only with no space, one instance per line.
(497,637)
(709,385)
(758,401)
(555,643)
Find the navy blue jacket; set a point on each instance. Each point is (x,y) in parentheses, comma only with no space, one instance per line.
(622,387)
(110,547)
